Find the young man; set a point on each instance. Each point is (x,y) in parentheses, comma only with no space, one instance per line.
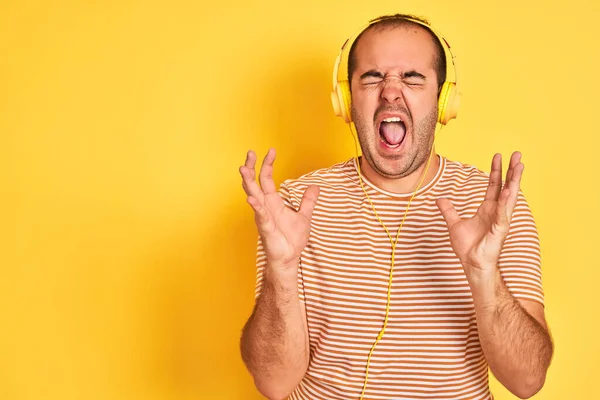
(402,274)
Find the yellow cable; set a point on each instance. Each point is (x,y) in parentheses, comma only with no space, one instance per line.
(393,242)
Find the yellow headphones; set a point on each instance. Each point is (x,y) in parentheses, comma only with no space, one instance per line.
(448,100)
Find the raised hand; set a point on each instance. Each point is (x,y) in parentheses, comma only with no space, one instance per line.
(284,232)
(477,241)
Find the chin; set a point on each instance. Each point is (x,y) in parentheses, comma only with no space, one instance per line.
(391,167)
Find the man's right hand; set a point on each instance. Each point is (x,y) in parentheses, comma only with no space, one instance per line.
(284,232)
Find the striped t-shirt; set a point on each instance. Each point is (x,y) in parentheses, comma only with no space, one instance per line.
(431,348)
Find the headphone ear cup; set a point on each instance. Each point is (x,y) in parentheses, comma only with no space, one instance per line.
(340,99)
(448,103)
(345,89)
(336,101)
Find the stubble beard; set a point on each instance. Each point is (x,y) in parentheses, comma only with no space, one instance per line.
(410,159)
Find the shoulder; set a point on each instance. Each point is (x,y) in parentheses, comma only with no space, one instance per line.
(462,181)
(464,174)
(466,184)
(333,179)
(463,184)
(335,176)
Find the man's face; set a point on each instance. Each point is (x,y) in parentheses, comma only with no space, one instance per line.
(394,98)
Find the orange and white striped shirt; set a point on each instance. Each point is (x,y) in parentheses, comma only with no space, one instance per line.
(431,348)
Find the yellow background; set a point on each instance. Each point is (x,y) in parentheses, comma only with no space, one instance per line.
(127,248)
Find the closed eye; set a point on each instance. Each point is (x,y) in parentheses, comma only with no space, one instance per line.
(410,78)
(371,77)
(414,82)
(413,78)
(372,82)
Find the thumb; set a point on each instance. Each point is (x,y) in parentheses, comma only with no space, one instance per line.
(309,201)
(448,212)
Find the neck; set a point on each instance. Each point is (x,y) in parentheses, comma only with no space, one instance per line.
(405,185)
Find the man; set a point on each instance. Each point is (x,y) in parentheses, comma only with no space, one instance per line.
(330,320)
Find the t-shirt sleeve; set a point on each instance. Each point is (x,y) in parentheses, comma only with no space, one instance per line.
(520,258)
(291,201)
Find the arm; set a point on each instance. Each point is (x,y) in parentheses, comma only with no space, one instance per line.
(515,343)
(274,342)
(513,334)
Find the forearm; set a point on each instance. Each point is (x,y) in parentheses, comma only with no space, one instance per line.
(274,342)
(518,348)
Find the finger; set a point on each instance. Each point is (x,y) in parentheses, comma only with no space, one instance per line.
(249,184)
(250,162)
(509,174)
(502,222)
(248,173)
(309,201)
(515,158)
(263,219)
(495,185)
(448,212)
(514,161)
(266,173)
(254,203)
(514,185)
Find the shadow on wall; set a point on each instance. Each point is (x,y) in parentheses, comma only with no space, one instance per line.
(205,277)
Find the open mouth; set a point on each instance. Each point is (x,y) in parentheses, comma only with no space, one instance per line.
(392,132)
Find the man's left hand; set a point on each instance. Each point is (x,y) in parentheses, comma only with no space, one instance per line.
(477,241)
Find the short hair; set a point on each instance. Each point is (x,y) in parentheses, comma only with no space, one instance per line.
(399,20)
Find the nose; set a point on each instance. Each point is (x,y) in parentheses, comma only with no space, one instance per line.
(392,90)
